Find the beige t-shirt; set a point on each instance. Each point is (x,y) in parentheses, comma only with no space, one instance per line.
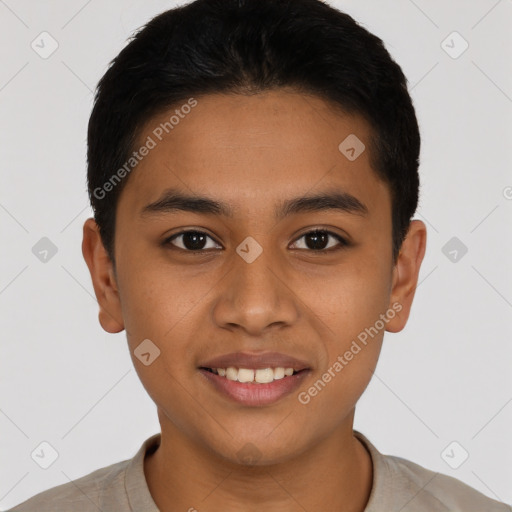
(398,486)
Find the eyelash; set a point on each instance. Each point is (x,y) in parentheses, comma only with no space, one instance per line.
(342,242)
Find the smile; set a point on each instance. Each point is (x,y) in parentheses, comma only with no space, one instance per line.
(254,387)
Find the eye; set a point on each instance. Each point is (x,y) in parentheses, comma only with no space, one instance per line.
(191,240)
(318,241)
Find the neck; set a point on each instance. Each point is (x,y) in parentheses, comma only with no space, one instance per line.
(334,474)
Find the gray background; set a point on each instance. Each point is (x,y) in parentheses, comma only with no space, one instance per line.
(445,378)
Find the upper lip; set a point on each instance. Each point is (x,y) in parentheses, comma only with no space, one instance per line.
(255,361)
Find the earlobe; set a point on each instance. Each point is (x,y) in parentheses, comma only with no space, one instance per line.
(405,274)
(103,278)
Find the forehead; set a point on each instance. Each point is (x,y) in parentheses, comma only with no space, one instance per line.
(248,149)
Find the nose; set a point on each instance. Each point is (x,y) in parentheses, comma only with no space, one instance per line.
(255,296)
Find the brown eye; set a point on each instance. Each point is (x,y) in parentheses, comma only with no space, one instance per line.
(318,240)
(190,241)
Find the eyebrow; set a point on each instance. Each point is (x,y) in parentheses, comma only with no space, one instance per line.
(174,200)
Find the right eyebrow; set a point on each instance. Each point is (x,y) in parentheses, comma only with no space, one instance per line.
(173,200)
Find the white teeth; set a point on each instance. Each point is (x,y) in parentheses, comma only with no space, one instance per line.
(263,375)
(278,373)
(245,375)
(231,373)
(260,375)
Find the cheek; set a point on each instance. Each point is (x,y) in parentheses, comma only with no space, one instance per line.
(350,303)
(350,298)
(352,309)
(156,298)
(159,306)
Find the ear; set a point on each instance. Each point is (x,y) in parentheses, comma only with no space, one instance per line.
(405,274)
(103,278)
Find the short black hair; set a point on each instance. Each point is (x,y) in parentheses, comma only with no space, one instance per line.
(248,47)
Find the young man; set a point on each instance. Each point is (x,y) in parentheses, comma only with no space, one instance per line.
(252,166)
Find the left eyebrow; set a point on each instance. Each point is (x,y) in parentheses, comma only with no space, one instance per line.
(173,200)
(324,201)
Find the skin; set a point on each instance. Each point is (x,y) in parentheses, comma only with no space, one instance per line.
(251,152)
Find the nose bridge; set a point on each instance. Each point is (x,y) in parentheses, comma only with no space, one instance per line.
(254,295)
(255,280)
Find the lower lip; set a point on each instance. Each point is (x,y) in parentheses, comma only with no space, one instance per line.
(251,394)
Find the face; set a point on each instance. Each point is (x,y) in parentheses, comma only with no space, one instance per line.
(290,252)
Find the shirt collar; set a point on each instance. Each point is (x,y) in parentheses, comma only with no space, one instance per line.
(380,498)
(135,482)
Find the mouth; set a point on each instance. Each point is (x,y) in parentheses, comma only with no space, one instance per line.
(254,378)
(254,387)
